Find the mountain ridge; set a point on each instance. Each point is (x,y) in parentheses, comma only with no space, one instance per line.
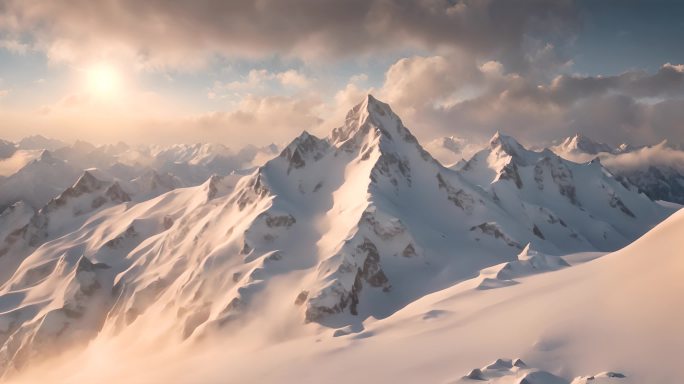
(330,232)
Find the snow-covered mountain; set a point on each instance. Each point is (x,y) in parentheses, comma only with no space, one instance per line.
(7,149)
(35,176)
(38,142)
(330,233)
(613,320)
(657,171)
(38,181)
(574,206)
(582,145)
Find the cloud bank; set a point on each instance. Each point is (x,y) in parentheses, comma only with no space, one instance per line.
(449,67)
(179,33)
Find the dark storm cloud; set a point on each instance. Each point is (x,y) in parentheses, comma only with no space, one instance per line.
(166,32)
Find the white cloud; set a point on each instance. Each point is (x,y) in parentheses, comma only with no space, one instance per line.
(14,46)
(258,120)
(293,78)
(259,81)
(658,155)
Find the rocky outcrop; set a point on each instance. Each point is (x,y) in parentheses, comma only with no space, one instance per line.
(560,174)
(360,266)
(304,148)
(494,230)
(515,370)
(459,197)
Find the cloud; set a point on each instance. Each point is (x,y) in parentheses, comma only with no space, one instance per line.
(259,81)
(160,33)
(447,95)
(421,81)
(254,120)
(4,93)
(257,120)
(658,155)
(14,46)
(293,78)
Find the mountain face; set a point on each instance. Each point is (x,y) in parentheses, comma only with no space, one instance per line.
(331,231)
(664,183)
(40,143)
(38,181)
(574,207)
(7,149)
(657,171)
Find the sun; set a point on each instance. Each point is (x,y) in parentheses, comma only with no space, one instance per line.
(103,80)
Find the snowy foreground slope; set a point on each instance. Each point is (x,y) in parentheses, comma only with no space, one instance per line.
(320,241)
(619,315)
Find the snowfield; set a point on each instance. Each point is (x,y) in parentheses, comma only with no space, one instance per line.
(352,257)
(619,315)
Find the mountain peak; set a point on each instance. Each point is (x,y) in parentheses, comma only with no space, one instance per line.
(87,182)
(303,148)
(46,156)
(527,252)
(305,142)
(374,106)
(370,115)
(582,143)
(506,144)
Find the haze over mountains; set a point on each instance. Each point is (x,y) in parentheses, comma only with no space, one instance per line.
(358,236)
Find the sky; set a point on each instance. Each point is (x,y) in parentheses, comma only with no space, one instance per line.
(261,71)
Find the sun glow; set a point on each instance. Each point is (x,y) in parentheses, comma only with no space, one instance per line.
(103,80)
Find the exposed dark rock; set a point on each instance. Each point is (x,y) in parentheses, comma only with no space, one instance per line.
(255,189)
(409,251)
(615,202)
(280,221)
(560,174)
(128,234)
(510,172)
(457,196)
(116,194)
(370,272)
(303,148)
(168,222)
(392,166)
(246,249)
(385,231)
(301,298)
(275,256)
(492,229)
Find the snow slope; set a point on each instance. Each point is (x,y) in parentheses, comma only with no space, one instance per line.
(38,181)
(614,320)
(657,171)
(578,207)
(322,239)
